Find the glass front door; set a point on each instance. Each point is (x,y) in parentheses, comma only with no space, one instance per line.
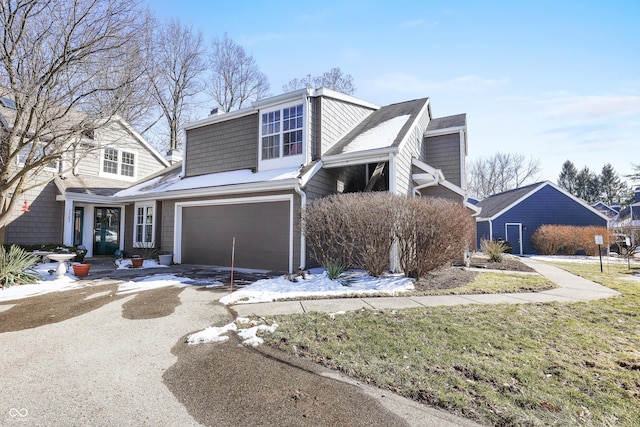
(78,225)
(106,231)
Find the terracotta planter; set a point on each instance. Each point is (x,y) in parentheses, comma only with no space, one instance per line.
(81,270)
(136,262)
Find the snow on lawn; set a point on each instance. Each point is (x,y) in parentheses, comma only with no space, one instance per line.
(248,334)
(318,284)
(583,259)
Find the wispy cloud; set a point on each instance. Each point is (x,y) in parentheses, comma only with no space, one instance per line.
(412,23)
(260,38)
(411,83)
(594,107)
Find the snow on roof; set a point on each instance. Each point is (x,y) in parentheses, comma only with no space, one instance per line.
(381,136)
(173,182)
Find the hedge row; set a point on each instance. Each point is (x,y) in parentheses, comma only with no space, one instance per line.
(569,240)
(359,230)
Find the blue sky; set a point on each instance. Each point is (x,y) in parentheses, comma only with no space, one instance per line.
(553,80)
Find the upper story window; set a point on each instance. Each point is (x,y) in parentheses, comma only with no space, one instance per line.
(118,162)
(282,136)
(23,157)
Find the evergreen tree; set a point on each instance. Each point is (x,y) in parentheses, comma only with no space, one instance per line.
(587,186)
(568,176)
(611,186)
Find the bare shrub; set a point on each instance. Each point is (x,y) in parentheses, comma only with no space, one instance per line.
(431,232)
(326,228)
(372,219)
(360,229)
(568,239)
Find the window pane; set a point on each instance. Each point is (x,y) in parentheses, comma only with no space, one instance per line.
(110,164)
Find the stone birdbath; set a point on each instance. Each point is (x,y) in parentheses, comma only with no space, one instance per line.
(61,258)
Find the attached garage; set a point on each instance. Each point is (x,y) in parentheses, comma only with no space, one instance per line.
(262,227)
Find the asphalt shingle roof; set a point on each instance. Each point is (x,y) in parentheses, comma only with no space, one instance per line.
(496,203)
(438,123)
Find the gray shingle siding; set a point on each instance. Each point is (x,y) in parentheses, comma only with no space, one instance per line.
(337,118)
(43,224)
(225,146)
(325,182)
(443,152)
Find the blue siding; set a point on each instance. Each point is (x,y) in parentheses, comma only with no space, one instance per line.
(482,232)
(548,206)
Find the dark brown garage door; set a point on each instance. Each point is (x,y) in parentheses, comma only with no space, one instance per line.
(261,231)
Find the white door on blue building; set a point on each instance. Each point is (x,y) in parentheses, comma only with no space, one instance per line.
(513,235)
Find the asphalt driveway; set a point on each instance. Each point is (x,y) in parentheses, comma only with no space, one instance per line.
(91,357)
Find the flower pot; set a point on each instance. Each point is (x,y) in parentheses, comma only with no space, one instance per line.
(137,262)
(81,270)
(166,259)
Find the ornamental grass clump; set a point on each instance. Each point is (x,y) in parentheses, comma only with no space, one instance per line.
(494,249)
(15,267)
(335,269)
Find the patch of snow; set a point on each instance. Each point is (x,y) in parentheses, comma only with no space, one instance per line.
(318,285)
(122,264)
(380,136)
(152,282)
(215,334)
(49,283)
(242,176)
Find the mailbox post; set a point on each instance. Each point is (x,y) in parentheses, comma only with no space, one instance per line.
(599,241)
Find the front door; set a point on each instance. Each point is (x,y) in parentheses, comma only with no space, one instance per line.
(514,237)
(106,233)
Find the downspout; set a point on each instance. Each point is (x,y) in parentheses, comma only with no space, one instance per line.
(303,240)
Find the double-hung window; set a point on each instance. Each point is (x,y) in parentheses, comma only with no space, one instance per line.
(282,135)
(143,232)
(118,162)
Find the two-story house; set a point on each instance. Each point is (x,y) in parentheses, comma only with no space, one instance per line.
(71,200)
(247,175)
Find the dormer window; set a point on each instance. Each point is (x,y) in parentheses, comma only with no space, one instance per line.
(282,132)
(118,162)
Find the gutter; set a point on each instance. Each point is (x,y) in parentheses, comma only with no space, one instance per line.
(303,240)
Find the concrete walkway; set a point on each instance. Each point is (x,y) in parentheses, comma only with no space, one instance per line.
(570,288)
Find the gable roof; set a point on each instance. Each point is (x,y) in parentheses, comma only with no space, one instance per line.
(497,204)
(384,128)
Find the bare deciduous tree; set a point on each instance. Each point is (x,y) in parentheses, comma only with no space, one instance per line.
(53,58)
(333,79)
(501,172)
(235,76)
(177,59)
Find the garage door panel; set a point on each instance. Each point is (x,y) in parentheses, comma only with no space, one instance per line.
(261,230)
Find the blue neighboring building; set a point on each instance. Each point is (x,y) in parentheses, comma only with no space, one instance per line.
(515,215)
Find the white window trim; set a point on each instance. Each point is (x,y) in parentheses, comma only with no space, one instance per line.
(119,175)
(152,205)
(282,161)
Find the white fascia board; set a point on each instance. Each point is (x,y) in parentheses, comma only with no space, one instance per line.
(408,134)
(86,198)
(329,93)
(473,207)
(310,174)
(533,191)
(454,188)
(144,142)
(578,200)
(445,131)
(220,118)
(253,187)
(281,99)
(428,169)
(359,157)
